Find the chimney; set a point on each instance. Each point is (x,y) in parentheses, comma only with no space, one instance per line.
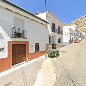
(37,13)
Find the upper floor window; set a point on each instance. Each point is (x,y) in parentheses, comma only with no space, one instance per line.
(18,29)
(53,27)
(49,39)
(59,30)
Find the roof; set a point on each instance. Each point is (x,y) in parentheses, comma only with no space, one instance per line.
(5,1)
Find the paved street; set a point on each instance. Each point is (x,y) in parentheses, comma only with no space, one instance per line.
(23,75)
(67,70)
(70,67)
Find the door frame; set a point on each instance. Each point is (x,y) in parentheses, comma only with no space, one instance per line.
(18,53)
(10,43)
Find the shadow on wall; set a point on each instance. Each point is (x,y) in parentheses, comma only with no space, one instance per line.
(4,38)
(5,62)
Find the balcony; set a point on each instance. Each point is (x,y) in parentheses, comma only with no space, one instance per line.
(18,33)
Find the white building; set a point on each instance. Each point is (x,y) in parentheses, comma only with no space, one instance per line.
(69,34)
(55,28)
(21,33)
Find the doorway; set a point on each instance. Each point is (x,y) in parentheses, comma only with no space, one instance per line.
(18,53)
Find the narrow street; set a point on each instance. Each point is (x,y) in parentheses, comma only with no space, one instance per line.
(67,70)
(70,67)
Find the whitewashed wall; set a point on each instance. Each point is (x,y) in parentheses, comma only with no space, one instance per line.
(4,38)
(56,35)
(6,22)
(42,15)
(36,32)
(52,19)
(66,33)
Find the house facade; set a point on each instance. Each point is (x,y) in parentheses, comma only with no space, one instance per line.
(55,28)
(70,34)
(21,33)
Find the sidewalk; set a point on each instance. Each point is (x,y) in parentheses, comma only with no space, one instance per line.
(23,75)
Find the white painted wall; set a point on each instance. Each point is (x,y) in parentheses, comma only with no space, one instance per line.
(4,43)
(42,15)
(6,22)
(56,36)
(66,33)
(52,19)
(45,17)
(36,32)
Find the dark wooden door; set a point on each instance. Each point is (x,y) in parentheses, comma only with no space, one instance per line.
(18,53)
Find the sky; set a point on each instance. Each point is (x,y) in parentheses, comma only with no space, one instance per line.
(65,10)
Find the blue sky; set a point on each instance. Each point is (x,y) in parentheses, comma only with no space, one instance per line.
(65,10)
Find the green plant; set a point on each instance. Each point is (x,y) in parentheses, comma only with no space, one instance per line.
(53,53)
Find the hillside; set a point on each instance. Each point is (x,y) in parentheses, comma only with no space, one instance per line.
(81,23)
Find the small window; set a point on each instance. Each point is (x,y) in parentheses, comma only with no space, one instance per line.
(49,39)
(53,27)
(59,40)
(36,47)
(1,49)
(59,31)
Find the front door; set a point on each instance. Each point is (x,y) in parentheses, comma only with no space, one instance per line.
(18,53)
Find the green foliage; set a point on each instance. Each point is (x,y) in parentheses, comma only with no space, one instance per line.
(53,53)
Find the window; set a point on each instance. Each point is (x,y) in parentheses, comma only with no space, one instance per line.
(36,47)
(1,49)
(49,39)
(59,31)
(59,40)
(53,27)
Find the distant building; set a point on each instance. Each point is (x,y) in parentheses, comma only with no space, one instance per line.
(55,28)
(70,34)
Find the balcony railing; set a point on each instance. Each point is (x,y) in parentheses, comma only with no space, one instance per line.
(17,33)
